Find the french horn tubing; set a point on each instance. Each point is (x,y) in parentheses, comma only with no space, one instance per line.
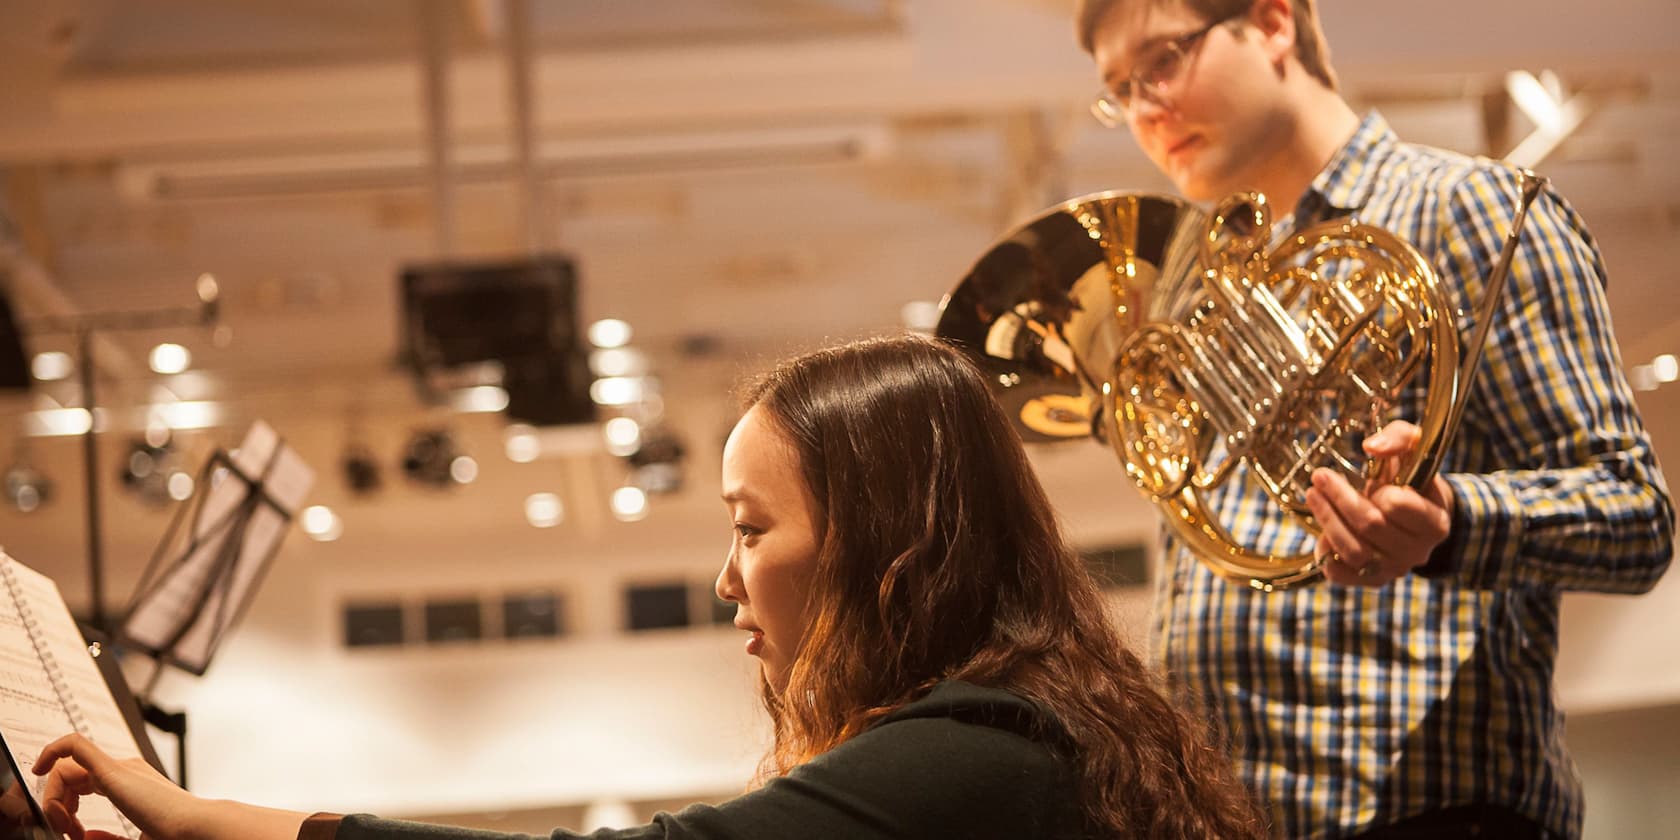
(1189,347)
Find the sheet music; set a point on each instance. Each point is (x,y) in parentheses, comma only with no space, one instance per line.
(262,536)
(103,722)
(226,493)
(174,601)
(289,481)
(32,711)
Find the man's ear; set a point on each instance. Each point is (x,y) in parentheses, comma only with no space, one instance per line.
(1274,23)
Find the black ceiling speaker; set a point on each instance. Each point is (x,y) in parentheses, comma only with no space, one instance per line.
(521,314)
(461,313)
(14,363)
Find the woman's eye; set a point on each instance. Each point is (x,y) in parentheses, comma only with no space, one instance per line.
(745,531)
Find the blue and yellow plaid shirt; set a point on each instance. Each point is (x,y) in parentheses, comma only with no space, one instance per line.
(1349,707)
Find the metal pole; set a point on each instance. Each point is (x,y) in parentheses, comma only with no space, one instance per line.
(524,126)
(434,60)
(90,463)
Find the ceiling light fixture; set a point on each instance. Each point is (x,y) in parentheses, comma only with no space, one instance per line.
(321,523)
(430,459)
(170,358)
(481,399)
(26,488)
(617,390)
(51,366)
(1542,99)
(521,443)
(617,361)
(623,436)
(1666,368)
(609,333)
(639,156)
(629,504)
(1541,102)
(361,470)
(149,472)
(544,510)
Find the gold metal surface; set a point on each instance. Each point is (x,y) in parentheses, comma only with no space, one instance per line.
(1189,347)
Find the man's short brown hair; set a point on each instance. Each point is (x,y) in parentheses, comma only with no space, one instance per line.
(1310,46)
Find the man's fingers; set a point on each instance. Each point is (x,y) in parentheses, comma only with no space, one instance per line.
(1409,512)
(1363,519)
(1369,541)
(1338,573)
(1393,440)
(1334,534)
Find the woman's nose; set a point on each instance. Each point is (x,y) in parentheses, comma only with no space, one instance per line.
(727,587)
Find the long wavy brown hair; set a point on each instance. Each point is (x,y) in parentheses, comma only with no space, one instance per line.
(940,559)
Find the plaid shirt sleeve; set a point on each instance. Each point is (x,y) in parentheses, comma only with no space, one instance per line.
(1565,492)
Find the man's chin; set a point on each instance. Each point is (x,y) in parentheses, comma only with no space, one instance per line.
(1198,189)
(1203,190)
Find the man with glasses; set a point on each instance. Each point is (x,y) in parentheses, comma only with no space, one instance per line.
(1410,694)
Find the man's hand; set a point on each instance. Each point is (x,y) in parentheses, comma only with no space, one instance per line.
(1372,538)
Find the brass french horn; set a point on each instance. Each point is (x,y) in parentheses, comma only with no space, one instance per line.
(1189,347)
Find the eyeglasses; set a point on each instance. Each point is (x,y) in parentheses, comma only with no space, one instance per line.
(1150,77)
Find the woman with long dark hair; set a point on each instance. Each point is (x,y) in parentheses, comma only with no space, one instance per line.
(936,660)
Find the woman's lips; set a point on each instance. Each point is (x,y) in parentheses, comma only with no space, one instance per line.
(755,643)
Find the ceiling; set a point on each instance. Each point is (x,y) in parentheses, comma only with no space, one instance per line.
(736,178)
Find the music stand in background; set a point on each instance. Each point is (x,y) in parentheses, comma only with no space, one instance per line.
(203,576)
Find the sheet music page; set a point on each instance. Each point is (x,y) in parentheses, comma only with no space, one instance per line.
(289,480)
(262,538)
(170,605)
(31,713)
(226,492)
(256,450)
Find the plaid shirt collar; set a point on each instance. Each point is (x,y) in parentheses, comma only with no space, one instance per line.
(1346,184)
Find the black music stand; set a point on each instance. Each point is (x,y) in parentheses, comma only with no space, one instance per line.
(241,509)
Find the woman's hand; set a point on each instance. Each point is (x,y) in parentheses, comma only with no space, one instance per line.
(75,768)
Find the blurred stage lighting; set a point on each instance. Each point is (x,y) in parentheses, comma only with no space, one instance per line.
(521,444)
(51,366)
(544,510)
(170,358)
(629,504)
(26,488)
(361,470)
(321,523)
(608,333)
(150,468)
(431,456)
(658,461)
